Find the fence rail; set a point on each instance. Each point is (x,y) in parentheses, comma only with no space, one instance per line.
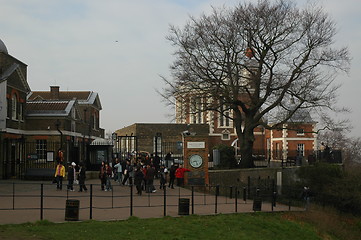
(46,202)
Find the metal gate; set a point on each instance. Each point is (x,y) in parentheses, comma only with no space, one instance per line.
(20,156)
(172,152)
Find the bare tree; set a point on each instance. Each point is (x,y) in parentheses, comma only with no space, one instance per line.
(258,60)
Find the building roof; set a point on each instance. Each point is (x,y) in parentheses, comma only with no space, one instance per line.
(300,116)
(101,142)
(83,97)
(8,71)
(63,95)
(49,108)
(3,47)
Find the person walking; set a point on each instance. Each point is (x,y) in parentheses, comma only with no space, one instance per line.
(149,177)
(82,177)
(109,176)
(163,171)
(119,171)
(138,179)
(71,176)
(59,175)
(102,175)
(179,174)
(128,173)
(172,170)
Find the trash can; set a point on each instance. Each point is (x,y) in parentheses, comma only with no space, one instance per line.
(72,210)
(183,206)
(257,204)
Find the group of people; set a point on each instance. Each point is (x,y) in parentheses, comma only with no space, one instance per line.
(141,174)
(76,174)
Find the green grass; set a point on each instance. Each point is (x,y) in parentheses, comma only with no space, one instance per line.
(233,226)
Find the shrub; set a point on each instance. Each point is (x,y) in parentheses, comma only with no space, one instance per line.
(331,186)
(227,158)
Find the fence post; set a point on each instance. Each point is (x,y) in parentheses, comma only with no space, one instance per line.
(165,200)
(131,200)
(274,198)
(192,200)
(244,194)
(91,202)
(216,202)
(13,196)
(249,186)
(289,205)
(236,198)
(112,197)
(41,201)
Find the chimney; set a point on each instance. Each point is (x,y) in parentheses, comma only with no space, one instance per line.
(54,92)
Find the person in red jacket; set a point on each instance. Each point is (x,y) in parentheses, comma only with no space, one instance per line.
(179,174)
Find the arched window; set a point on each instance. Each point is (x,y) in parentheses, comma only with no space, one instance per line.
(94,121)
(14,104)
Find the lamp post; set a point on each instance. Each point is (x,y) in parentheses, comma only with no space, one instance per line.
(115,145)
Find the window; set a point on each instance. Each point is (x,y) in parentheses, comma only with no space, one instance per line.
(41,148)
(300,132)
(226,135)
(300,149)
(196,110)
(224,117)
(21,116)
(14,103)
(157,143)
(94,121)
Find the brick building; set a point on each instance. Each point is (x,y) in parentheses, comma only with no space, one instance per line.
(155,138)
(35,125)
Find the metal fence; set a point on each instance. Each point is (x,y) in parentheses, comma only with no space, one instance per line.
(122,202)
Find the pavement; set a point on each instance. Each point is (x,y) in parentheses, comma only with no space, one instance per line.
(20,202)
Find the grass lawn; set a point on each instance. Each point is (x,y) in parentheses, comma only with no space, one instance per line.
(233,226)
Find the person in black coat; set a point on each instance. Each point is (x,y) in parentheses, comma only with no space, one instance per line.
(82,176)
(172,170)
(138,179)
(71,176)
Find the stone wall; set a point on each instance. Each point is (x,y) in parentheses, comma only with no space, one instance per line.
(253,177)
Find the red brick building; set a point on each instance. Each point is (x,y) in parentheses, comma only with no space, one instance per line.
(35,125)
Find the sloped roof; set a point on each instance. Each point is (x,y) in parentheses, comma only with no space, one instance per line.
(3,47)
(101,142)
(63,95)
(8,71)
(15,68)
(300,116)
(83,97)
(49,108)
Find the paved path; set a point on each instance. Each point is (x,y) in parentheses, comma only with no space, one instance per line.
(114,205)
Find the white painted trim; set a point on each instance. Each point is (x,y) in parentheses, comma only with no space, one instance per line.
(294,139)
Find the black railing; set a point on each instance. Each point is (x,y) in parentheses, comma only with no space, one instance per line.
(222,199)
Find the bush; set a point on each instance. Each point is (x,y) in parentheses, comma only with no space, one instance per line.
(331,186)
(227,158)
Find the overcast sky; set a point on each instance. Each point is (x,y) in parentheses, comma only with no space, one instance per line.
(118,49)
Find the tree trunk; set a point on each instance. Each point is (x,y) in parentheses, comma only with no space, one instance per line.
(246,148)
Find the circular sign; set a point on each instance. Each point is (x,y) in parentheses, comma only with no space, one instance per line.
(196,161)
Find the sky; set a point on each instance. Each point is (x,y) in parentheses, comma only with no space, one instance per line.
(118,48)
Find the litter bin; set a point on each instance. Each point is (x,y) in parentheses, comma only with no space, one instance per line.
(183,206)
(257,204)
(72,210)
